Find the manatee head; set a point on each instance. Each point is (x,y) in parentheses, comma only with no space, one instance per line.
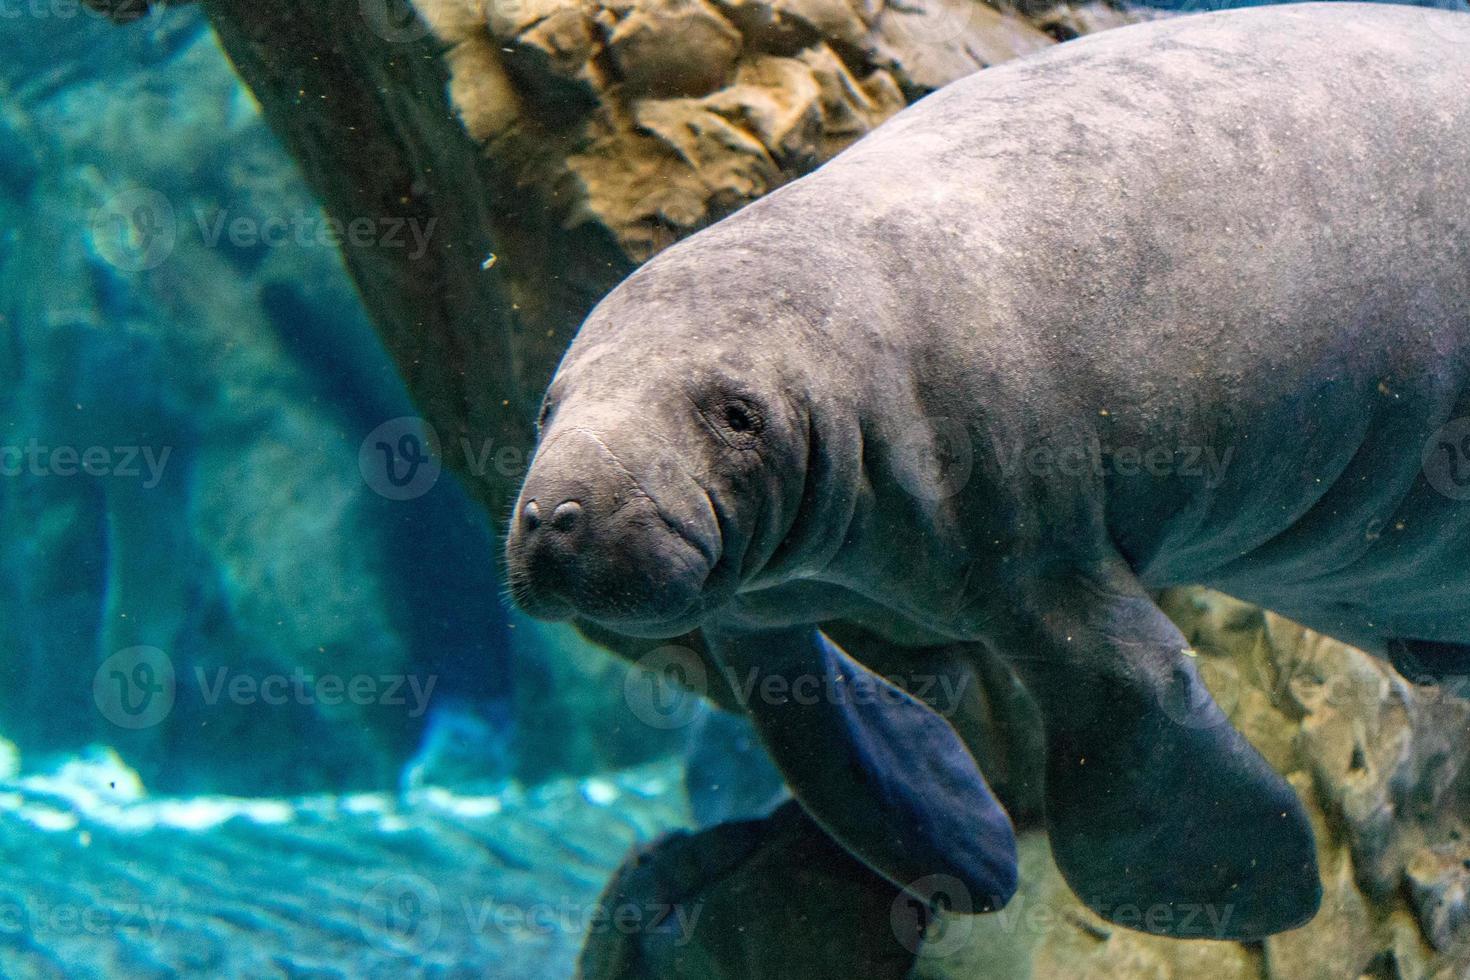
(677,442)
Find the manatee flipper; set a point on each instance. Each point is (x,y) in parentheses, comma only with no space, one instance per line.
(883,774)
(1428,661)
(1162,817)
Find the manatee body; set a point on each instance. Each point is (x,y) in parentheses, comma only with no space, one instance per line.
(1185,302)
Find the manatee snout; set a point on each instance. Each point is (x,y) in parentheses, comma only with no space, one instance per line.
(610,535)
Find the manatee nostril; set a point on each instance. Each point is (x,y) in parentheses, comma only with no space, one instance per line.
(531,515)
(566,515)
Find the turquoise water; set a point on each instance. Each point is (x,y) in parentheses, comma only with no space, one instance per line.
(243,688)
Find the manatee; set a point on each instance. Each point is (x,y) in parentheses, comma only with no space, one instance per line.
(1187,302)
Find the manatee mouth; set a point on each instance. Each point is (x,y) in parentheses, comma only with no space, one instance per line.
(589,540)
(651,586)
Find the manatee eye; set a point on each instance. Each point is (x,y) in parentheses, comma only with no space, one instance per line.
(740,423)
(732,418)
(741,418)
(545,416)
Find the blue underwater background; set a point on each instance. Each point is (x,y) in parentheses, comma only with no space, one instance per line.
(224,541)
(263,713)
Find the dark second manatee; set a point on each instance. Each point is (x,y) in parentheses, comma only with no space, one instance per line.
(1186,302)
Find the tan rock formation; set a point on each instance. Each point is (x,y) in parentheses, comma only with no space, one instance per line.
(1381,764)
(658,117)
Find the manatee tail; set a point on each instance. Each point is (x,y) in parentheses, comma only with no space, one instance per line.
(1162,817)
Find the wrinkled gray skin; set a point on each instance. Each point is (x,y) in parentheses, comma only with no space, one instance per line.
(1244,234)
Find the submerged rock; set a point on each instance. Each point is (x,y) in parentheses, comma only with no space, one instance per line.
(671,47)
(752,899)
(1439,887)
(658,117)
